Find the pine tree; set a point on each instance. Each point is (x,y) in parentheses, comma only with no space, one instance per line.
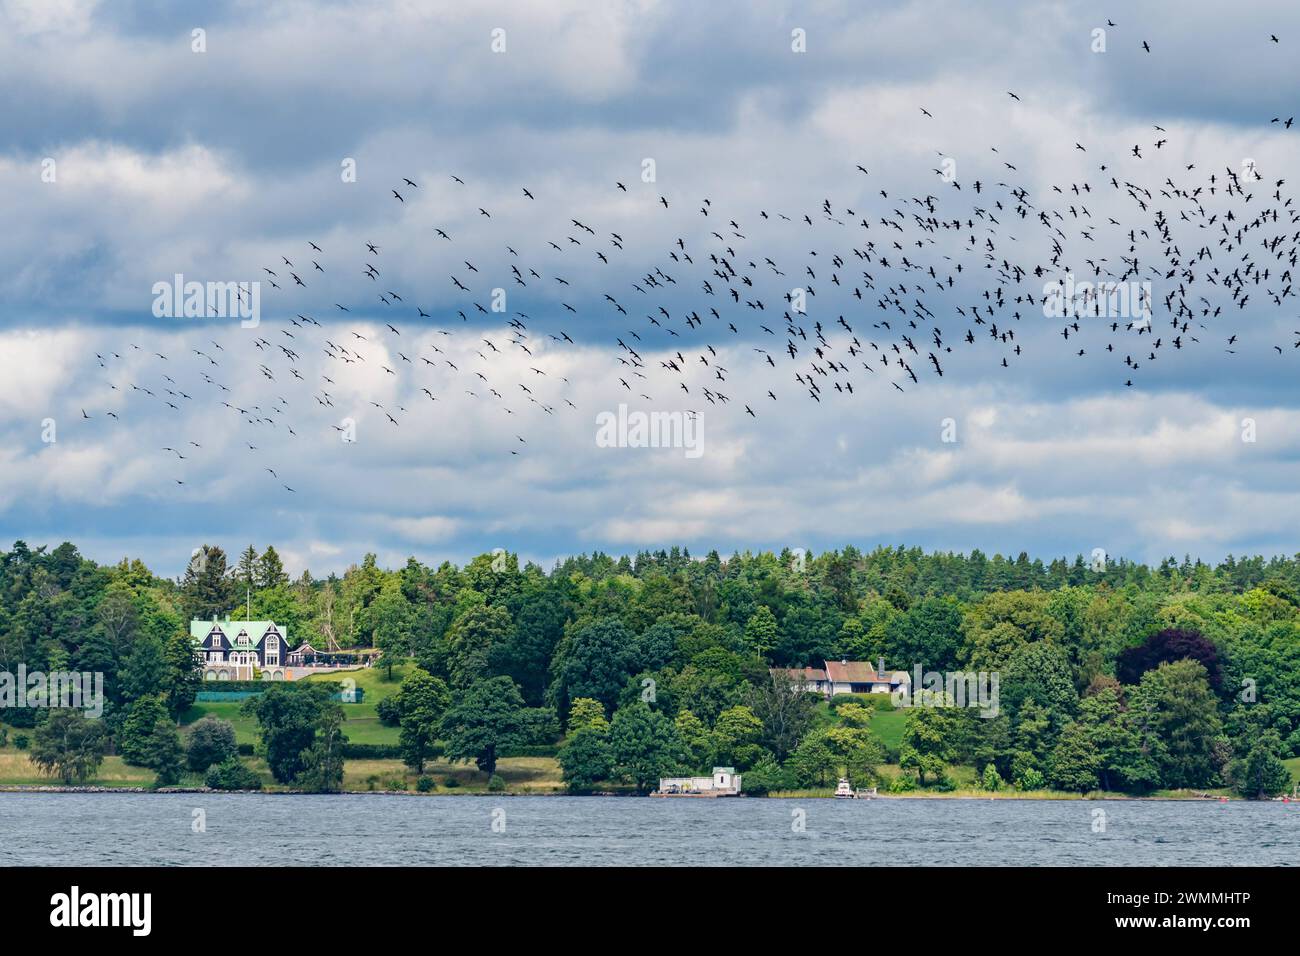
(246,571)
(206,586)
(270,570)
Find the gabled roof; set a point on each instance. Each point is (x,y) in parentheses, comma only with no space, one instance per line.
(256,630)
(860,672)
(800,673)
(853,672)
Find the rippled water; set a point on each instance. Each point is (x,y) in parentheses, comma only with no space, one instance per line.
(361,829)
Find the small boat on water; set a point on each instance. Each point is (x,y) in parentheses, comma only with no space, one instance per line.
(844,791)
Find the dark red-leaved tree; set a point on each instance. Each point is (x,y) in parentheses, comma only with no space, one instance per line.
(1172,644)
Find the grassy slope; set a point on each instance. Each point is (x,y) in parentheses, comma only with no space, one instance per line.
(886,722)
(228,710)
(888,726)
(362,727)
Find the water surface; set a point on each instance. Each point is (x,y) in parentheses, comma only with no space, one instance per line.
(115,829)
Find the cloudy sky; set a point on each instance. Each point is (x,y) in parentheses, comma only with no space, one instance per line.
(135,149)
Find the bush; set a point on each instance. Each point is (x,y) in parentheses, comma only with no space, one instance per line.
(1030,779)
(211,741)
(451,783)
(765,776)
(991,781)
(22,741)
(903,783)
(496,784)
(425,784)
(4,736)
(24,717)
(389,711)
(1293,743)
(233,775)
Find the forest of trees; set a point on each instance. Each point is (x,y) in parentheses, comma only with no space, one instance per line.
(1131,678)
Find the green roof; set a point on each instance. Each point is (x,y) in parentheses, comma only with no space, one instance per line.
(256,630)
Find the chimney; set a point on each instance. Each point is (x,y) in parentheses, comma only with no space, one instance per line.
(880,669)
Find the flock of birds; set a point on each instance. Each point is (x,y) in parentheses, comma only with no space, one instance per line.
(886,287)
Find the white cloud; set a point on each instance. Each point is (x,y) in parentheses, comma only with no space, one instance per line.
(219,165)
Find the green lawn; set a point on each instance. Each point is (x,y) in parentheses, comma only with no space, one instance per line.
(16,769)
(1294,766)
(372,680)
(521,774)
(228,710)
(886,721)
(888,726)
(362,726)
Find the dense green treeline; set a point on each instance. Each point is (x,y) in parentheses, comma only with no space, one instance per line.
(1113,675)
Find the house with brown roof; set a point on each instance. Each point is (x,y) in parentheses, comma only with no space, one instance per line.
(811,679)
(845,677)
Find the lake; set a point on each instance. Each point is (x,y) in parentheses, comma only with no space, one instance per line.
(116,829)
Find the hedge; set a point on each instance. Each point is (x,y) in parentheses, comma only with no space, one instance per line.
(242,689)
(531,750)
(380,752)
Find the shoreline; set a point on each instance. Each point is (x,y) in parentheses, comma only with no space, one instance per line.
(1119,798)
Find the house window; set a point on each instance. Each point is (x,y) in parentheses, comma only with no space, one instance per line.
(272,651)
(216,640)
